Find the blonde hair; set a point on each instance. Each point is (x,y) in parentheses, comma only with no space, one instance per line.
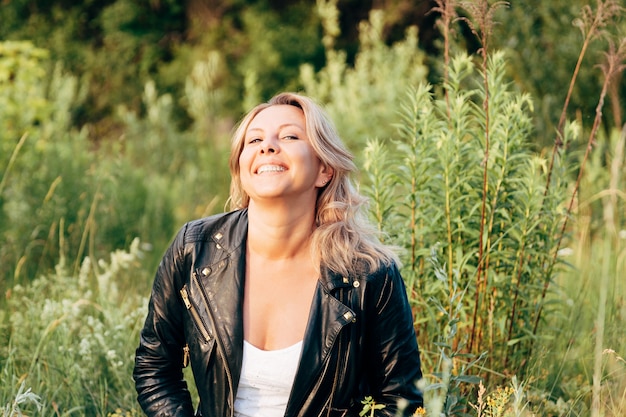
(344,239)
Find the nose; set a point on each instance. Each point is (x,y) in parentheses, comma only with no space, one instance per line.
(270,145)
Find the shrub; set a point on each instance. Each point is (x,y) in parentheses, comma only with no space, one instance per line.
(69,338)
(475,224)
(58,196)
(362,98)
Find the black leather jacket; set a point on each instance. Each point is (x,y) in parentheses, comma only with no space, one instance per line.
(359,339)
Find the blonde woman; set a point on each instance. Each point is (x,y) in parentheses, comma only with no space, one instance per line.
(288,305)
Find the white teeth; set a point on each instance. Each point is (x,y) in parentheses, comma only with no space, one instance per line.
(269,168)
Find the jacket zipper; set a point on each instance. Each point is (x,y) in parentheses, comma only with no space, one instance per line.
(220,349)
(326,409)
(186,355)
(195,315)
(340,357)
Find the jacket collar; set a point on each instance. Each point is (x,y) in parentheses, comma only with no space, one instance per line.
(231,234)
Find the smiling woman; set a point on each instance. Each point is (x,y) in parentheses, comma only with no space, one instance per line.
(293,278)
(277,164)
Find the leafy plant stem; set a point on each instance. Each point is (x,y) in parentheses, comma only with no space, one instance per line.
(480,282)
(449,233)
(446,9)
(518,279)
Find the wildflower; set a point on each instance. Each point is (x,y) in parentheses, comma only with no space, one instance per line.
(420,412)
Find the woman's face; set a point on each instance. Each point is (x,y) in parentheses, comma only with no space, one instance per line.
(277,160)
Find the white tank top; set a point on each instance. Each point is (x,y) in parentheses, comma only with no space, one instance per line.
(266,380)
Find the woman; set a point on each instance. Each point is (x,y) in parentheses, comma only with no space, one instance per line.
(288,305)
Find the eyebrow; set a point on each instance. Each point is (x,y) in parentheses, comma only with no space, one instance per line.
(253,129)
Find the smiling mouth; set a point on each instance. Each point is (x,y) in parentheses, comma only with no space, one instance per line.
(269,168)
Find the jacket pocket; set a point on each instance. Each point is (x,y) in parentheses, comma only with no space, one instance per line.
(195,316)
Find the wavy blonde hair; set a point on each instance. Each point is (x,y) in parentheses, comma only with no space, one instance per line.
(344,239)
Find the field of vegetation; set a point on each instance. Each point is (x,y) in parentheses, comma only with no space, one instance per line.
(491,142)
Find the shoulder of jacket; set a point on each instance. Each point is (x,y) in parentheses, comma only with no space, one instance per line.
(207,228)
(382,275)
(361,273)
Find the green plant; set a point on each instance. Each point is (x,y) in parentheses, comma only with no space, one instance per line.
(445,389)
(22,397)
(53,182)
(362,98)
(439,176)
(370,407)
(77,353)
(475,193)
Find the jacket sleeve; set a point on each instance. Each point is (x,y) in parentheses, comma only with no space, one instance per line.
(161,388)
(394,366)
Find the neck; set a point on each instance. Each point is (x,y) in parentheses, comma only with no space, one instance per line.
(280,232)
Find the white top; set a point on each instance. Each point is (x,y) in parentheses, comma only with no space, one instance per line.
(266,380)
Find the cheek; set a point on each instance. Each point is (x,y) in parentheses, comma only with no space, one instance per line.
(244,161)
(306,155)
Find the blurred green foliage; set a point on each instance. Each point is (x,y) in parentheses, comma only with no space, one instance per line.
(120,45)
(22,81)
(387,70)
(543,41)
(58,196)
(116,45)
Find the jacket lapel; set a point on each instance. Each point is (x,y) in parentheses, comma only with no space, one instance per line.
(223,283)
(327,317)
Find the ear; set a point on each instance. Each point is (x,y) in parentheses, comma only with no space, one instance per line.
(324,176)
